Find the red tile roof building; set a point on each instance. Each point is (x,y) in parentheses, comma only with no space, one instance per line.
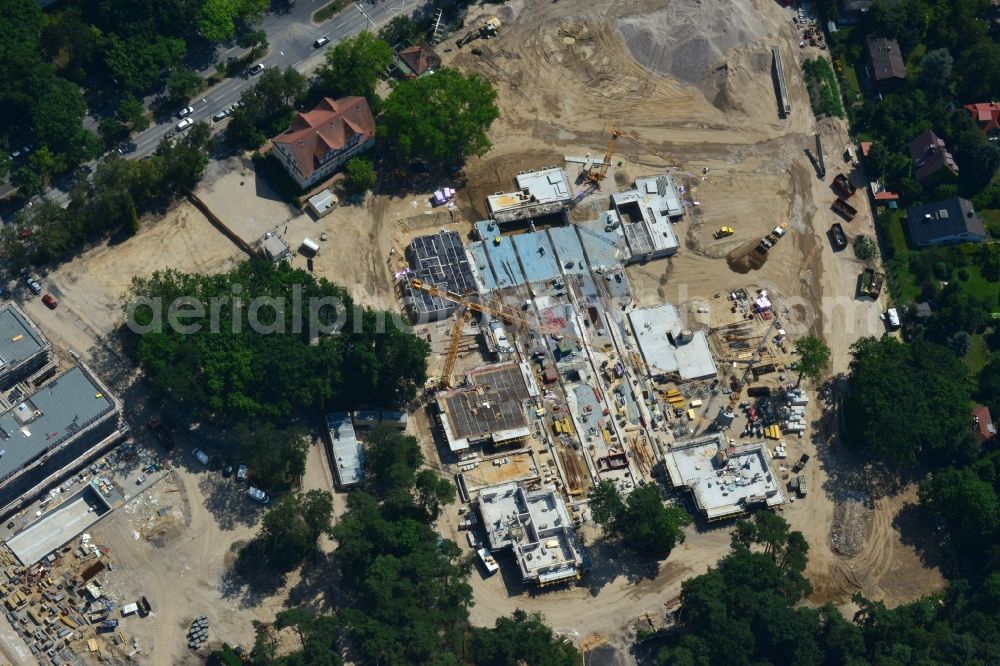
(930,156)
(419,59)
(987,116)
(982,423)
(320,141)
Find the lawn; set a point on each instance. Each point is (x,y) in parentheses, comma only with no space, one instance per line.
(977,285)
(328,11)
(992,220)
(978,355)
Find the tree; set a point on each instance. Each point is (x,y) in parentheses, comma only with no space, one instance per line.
(981,165)
(864,247)
(968,504)
(219,17)
(290,528)
(989,384)
(960,343)
(521,639)
(814,357)
(275,457)
(443,117)
(354,65)
(182,83)
(253,39)
(131,111)
(641,520)
(908,402)
(935,70)
(112,131)
(392,461)
(360,174)
(402,29)
(27,182)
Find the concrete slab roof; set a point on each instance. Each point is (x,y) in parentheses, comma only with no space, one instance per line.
(568,249)
(724,485)
(502,256)
(481,268)
(19,338)
(658,334)
(348,454)
(49,417)
(603,241)
(536,526)
(491,410)
(59,526)
(546,185)
(538,259)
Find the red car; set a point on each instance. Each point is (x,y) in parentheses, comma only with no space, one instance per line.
(50,301)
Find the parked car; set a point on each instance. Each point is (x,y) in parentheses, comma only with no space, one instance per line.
(33,284)
(220,115)
(241,473)
(256,69)
(185,112)
(227,470)
(140,480)
(322,41)
(50,301)
(201,456)
(184,124)
(258,495)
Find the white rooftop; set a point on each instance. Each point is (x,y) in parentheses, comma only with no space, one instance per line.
(724,487)
(536,526)
(666,347)
(543,191)
(646,211)
(348,454)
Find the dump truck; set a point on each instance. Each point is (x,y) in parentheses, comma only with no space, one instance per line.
(801,463)
(802,486)
(844,186)
(844,209)
(768,241)
(722,232)
(838,239)
(871,282)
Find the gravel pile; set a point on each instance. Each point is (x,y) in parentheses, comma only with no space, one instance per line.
(850,527)
(687,37)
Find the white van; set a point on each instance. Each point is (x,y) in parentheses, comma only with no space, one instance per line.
(201,456)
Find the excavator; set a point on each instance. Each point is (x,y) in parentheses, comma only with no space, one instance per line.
(487,30)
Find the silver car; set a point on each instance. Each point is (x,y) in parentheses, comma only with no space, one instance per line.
(34,285)
(258,495)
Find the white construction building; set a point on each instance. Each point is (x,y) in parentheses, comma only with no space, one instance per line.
(668,348)
(536,527)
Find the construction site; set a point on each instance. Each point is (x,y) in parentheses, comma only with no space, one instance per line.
(612,292)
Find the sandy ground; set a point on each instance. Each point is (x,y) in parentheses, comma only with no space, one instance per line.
(565,74)
(192,574)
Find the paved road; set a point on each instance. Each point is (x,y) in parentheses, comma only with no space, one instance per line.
(291,37)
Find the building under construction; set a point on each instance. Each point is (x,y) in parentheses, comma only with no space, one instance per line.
(23,349)
(537,529)
(539,194)
(48,429)
(725,480)
(439,260)
(492,409)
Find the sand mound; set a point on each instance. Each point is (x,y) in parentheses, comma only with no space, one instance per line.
(688,37)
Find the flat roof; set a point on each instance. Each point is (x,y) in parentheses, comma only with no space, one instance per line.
(539,193)
(49,417)
(501,254)
(492,408)
(348,454)
(655,201)
(536,526)
(440,260)
(59,526)
(728,486)
(481,269)
(19,338)
(568,249)
(691,360)
(537,256)
(603,241)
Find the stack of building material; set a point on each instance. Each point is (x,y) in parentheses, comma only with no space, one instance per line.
(198,633)
(443,196)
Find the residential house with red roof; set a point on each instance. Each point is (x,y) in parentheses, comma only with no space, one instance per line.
(987,117)
(320,141)
(418,60)
(982,423)
(932,163)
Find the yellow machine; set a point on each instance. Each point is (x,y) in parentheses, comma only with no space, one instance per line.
(724,231)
